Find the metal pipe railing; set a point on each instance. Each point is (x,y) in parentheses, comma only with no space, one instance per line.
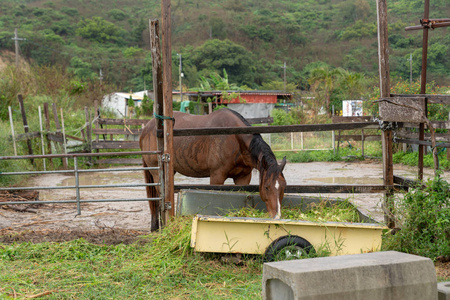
(76,172)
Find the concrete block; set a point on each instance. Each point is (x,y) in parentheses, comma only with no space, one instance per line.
(386,275)
(443,290)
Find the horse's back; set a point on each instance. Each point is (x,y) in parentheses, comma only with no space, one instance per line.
(202,156)
(219,118)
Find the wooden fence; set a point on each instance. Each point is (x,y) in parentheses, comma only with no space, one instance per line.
(364,136)
(124,133)
(57,139)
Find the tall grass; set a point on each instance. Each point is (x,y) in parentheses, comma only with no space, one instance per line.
(37,85)
(159,266)
(6,149)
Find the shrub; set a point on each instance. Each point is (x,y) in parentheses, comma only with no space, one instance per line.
(423,217)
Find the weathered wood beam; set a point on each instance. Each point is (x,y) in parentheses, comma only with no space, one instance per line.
(133,122)
(356,137)
(307,189)
(272,129)
(125,131)
(115,145)
(432,99)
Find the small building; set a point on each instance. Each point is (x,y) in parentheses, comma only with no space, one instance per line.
(118,102)
(250,104)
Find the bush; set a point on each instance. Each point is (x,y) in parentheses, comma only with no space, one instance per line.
(423,217)
(6,149)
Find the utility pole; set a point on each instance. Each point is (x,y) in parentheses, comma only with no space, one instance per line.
(284,80)
(410,70)
(16,42)
(100,76)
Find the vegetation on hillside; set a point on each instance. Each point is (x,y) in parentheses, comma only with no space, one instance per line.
(250,39)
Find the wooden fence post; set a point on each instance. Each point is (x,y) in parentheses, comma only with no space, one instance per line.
(12,130)
(383,60)
(58,132)
(42,136)
(25,125)
(158,95)
(47,129)
(168,109)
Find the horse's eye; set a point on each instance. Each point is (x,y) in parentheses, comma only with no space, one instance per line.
(267,188)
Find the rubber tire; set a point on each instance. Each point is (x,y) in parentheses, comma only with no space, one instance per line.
(287,241)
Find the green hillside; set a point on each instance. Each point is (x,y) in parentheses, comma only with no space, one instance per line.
(250,39)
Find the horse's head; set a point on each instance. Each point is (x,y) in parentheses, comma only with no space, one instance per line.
(271,187)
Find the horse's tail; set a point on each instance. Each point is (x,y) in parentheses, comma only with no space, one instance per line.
(152,193)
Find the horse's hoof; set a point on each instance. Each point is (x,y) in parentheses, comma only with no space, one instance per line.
(154,227)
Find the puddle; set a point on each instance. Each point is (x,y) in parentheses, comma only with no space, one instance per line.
(349,180)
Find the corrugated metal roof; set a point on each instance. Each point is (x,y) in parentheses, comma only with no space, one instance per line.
(217,93)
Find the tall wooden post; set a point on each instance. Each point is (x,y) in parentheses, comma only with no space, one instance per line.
(386,138)
(25,125)
(58,132)
(423,87)
(168,109)
(47,129)
(158,96)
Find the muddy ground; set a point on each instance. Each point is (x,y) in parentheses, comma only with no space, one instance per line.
(135,216)
(124,222)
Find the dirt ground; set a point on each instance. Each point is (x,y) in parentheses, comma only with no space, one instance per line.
(135,216)
(123,222)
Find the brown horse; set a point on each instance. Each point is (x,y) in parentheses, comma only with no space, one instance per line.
(218,157)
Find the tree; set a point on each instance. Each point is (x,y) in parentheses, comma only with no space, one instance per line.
(98,29)
(279,85)
(354,84)
(323,79)
(81,69)
(216,55)
(217,82)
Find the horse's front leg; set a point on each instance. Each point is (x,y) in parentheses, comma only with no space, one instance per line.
(217,178)
(243,180)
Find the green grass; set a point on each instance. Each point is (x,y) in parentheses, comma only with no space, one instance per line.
(160,266)
(412,159)
(315,212)
(344,154)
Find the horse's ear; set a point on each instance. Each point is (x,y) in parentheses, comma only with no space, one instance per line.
(283,163)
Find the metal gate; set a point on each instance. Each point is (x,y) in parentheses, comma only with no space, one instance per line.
(76,171)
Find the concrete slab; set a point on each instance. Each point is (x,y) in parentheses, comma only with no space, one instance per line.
(386,275)
(443,290)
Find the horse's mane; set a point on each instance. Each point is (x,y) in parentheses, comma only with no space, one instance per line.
(244,120)
(260,151)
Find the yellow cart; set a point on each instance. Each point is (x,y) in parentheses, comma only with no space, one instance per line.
(275,239)
(282,239)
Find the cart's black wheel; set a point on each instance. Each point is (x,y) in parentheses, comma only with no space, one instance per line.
(287,248)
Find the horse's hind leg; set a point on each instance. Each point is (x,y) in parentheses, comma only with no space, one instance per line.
(152,192)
